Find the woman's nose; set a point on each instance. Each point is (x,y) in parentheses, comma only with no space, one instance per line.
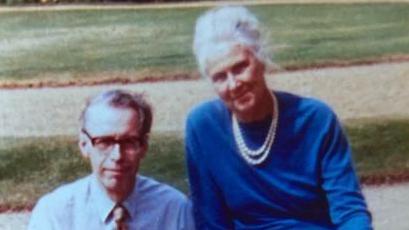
(231,81)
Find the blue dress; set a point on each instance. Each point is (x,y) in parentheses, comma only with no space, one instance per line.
(307,181)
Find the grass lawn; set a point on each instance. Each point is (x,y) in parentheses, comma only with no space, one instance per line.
(132,43)
(381,150)
(30,167)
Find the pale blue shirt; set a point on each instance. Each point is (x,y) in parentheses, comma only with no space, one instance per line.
(84,205)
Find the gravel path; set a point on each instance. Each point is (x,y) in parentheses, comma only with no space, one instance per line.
(355,92)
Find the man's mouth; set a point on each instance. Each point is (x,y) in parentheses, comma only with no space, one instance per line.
(116,171)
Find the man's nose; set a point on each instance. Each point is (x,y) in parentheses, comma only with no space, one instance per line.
(116,152)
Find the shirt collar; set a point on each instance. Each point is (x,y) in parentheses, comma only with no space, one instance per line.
(101,200)
(130,203)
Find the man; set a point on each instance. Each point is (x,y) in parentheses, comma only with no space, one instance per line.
(114,134)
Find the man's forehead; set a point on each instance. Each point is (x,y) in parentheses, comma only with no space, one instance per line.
(104,113)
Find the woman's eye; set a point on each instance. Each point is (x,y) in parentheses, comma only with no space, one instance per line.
(219,77)
(240,67)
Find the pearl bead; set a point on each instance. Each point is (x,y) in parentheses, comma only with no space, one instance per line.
(256,156)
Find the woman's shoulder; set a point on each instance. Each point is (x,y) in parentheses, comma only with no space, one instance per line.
(207,108)
(207,114)
(304,105)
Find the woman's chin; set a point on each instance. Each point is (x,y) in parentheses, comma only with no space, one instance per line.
(243,108)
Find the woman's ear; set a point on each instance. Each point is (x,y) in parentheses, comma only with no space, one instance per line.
(83,144)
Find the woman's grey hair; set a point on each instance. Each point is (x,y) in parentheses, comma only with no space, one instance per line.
(124,100)
(221,28)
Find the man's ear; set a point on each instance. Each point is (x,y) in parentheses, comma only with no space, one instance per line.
(83,144)
(145,146)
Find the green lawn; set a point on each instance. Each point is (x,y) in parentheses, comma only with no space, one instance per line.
(29,167)
(72,44)
(381,150)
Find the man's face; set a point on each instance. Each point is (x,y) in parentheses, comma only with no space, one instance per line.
(238,78)
(111,141)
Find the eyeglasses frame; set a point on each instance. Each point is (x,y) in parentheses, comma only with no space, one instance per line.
(115,140)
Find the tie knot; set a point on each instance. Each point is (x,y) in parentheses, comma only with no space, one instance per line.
(120,213)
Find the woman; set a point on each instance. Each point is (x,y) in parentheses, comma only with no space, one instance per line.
(261,159)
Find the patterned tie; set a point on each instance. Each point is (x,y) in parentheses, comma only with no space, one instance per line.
(120,215)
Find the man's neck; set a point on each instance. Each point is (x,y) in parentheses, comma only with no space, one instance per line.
(120,194)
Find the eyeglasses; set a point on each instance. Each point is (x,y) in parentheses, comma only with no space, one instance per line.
(105,144)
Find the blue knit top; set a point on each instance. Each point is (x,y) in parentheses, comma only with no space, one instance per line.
(307,181)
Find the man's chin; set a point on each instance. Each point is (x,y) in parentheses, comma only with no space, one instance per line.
(112,182)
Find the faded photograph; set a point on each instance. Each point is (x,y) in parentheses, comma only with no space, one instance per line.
(264,114)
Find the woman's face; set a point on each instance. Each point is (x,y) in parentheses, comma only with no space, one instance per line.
(238,78)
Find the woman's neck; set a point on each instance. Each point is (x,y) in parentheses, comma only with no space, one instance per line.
(262,108)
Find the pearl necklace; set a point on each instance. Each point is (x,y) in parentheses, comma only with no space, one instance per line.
(256,156)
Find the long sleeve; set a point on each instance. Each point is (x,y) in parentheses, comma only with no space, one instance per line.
(209,208)
(346,203)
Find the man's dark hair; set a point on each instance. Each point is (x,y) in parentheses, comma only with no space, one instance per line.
(124,100)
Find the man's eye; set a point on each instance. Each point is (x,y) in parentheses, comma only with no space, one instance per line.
(128,142)
(131,143)
(240,67)
(219,77)
(103,143)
